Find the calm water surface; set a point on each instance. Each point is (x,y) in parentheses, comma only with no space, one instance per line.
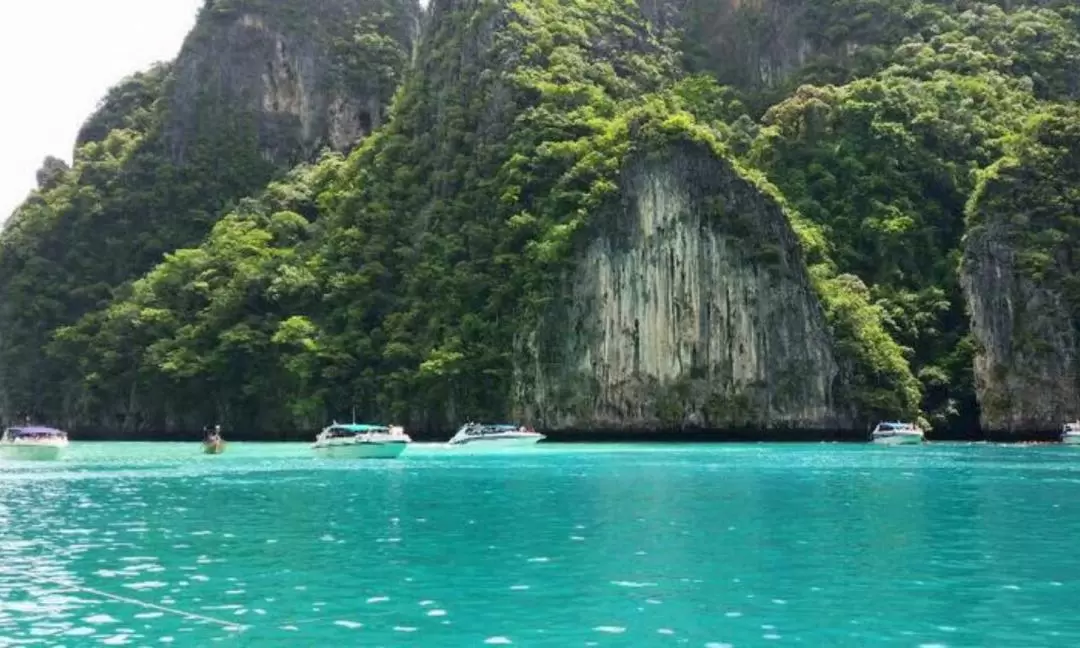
(708,546)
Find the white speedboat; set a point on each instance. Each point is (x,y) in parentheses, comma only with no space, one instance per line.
(40,443)
(479,435)
(361,441)
(1070,433)
(896,433)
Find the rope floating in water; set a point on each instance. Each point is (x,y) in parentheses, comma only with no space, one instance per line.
(124,599)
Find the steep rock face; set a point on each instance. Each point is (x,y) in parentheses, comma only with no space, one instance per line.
(762,45)
(689,305)
(285,70)
(1026,368)
(748,43)
(1021,276)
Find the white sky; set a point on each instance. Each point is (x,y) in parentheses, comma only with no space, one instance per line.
(57,60)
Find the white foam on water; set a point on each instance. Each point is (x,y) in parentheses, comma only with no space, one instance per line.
(404,629)
(577,538)
(610,629)
(632,584)
(149,615)
(779,601)
(166,639)
(653,601)
(497,641)
(665,631)
(436,613)
(733,615)
(99,619)
(290,628)
(116,640)
(146,585)
(519,588)
(539,559)
(1011,587)
(426,602)
(771,635)
(717,644)
(349,624)
(378,599)
(80,632)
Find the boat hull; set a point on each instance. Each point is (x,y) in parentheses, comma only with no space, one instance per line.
(496,442)
(32,451)
(898,439)
(362,450)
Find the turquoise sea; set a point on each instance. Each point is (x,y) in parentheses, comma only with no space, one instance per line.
(573,545)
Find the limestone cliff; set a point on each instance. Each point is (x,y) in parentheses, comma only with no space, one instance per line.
(1020,275)
(761,44)
(1026,368)
(302,75)
(688,305)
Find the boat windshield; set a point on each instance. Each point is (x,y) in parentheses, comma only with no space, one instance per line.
(352,429)
(35,433)
(481,429)
(895,426)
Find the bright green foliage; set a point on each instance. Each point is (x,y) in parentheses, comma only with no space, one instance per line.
(1031,197)
(157,164)
(457,214)
(211,332)
(885,165)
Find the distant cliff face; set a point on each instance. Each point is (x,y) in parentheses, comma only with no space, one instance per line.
(748,43)
(296,76)
(764,44)
(690,305)
(1022,279)
(1026,368)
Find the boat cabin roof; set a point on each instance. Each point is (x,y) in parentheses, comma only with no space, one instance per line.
(482,428)
(35,431)
(895,425)
(358,427)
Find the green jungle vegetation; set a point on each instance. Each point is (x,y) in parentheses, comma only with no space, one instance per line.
(139,292)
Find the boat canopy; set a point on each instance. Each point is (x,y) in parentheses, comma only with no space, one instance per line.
(358,427)
(22,432)
(489,428)
(895,425)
